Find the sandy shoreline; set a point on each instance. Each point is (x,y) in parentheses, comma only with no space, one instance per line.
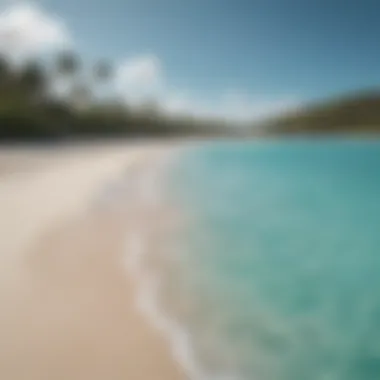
(68,307)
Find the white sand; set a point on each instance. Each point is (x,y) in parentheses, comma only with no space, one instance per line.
(67,305)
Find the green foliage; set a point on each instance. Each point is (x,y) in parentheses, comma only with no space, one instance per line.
(31,80)
(102,71)
(67,64)
(28,111)
(357,113)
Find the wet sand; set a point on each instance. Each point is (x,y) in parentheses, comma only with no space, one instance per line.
(68,305)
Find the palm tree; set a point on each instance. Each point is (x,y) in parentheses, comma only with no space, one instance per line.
(32,81)
(68,69)
(6,76)
(102,71)
(67,64)
(5,69)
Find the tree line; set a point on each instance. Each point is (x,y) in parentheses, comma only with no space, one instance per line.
(59,99)
(357,112)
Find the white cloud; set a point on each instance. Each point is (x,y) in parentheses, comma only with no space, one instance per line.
(26,29)
(243,106)
(142,78)
(139,79)
(140,72)
(238,107)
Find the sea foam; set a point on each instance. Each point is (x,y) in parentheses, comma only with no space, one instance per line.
(148,194)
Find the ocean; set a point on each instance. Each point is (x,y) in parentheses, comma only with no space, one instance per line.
(276,271)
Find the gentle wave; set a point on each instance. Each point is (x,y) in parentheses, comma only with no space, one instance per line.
(281,254)
(149,291)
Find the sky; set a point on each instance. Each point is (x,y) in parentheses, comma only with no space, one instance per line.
(235,59)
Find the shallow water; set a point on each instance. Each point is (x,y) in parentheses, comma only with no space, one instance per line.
(278,268)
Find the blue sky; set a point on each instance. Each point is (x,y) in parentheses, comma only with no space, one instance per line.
(273,51)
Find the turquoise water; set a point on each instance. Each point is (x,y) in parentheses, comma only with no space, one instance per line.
(279,258)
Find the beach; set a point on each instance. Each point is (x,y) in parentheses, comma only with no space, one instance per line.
(68,301)
(149,260)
